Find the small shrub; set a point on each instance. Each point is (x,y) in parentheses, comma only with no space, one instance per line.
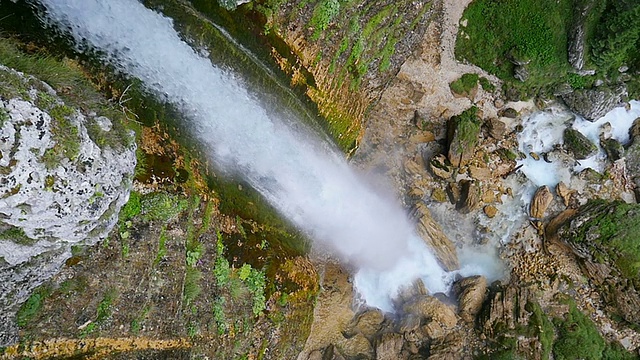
(464,84)
(578,337)
(32,306)
(487,85)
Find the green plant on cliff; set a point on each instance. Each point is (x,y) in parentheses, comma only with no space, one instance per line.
(464,84)
(578,337)
(467,131)
(323,13)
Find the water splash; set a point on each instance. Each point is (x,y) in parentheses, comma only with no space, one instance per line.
(306,180)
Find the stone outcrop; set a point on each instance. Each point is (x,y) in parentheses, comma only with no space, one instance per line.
(471,293)
(578,144)
(463,134)
(58,188)
(430,309)
(577,34)
(593,104)
(429,230)
(599,235)
(540,202)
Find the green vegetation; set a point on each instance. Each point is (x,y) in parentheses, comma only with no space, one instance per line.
(613,227)
(487,85)
(465,84)
(32,306)
(617,36)
(578,337)
(16,235)
(467,132)
(161,206)
(192,288)
(542,327)
(323,13)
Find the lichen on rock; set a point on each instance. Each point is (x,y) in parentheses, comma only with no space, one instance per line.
(58,187)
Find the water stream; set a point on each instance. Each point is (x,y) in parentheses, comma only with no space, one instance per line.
(305,179)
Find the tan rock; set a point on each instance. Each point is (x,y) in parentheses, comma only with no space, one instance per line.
(564,192)
(368,323)
(496,128)
(434,330)
(389,347)
(439,195)
(413,168)
(439,167)
(454,192)
(431,232)
(541,201)
(315,355)
(490,211)
(422,137)
(432,309)
(470,197)
(471,292)
(355,346)
(488,196)
(534,156)
(479,173)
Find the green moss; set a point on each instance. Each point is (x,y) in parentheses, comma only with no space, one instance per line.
(542,327)
(464,84)
(32,306)
(192,288)
(487,85)
(17,235)
(578,337)
(161,206)
(467,132)
(323,13)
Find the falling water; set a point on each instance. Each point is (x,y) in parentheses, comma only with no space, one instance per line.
(305,179)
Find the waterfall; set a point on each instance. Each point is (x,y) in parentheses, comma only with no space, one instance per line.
(305,179)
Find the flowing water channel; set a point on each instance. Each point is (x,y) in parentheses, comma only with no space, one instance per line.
(306,179)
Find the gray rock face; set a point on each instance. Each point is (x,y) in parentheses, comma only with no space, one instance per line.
(46,207)
(593,104)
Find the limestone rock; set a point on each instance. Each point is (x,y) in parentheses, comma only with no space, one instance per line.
(480,173)
(578,144)
(496,128)
(55,190)
(356,346)
(435,238)
(593,104)
(613,149)
(463,133)
(439,167)
(541,201)
(521,73)
(564,192)
(389,347)
(470,197)
(368,323)
(432,309)
(471,292)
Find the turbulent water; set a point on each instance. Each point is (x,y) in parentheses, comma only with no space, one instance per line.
(305,179)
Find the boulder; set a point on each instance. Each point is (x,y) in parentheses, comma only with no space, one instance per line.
(564,192)
(613,149)
(469,197)
(593,104)
(432,309)
(429,230)
(540,202)
(368,323)
(389,347)
(463,135)
(520,72)
(510,113)
(480,173)
(356,346)
(58,187)
(578,144)
(496,128)
(471,293)
(440,168)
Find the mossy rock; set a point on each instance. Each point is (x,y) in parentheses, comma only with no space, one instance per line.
(463,135)
(578,144)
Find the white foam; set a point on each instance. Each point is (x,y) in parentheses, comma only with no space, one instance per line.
(304,179)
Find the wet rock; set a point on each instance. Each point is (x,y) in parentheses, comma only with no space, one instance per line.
(439,195)
(578,144)
(389,347)
(634,130)
(463,135)
(355,347)
(496,128)
(577,34)
(432,309)
(593,104)
(471,293)
(541,201)
(368,323)
(470,197)
(490,210)
(409,323)
(613,149)
(434,237)
(505,308)
(534,156)
(454,192)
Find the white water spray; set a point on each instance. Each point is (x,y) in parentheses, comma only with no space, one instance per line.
(305,179)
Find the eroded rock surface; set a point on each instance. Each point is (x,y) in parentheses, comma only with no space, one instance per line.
(58,188)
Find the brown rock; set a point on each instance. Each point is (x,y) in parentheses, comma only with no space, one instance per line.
(315,355)
(440,168)
(478,173)
(454,192)
(471,292)
(488,196)
(355,346)
(422,137)
(496,128)
(439,195)
(413,168)
(389,347)
(434,237)
(564,192)
(432,309)
(541,201)
(434,330)
(470,197)
(534,156)
(490,211)
(368,323)
(509,113)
